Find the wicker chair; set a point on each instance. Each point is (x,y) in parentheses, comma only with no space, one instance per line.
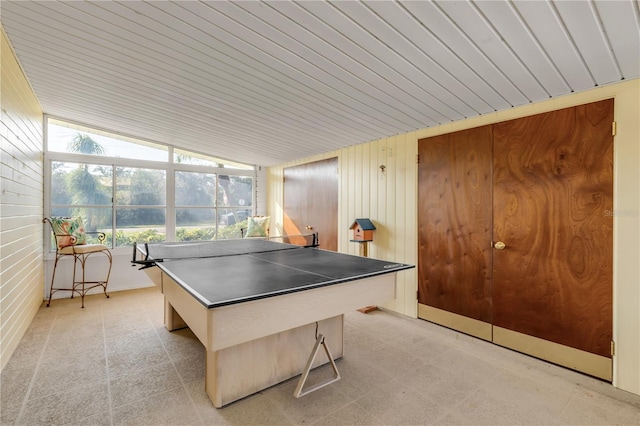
(70,238)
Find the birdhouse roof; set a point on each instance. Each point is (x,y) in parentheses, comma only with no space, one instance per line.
(365,224)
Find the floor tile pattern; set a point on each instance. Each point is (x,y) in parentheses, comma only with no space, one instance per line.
(114,363)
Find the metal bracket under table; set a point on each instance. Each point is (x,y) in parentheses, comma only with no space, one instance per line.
(305,373)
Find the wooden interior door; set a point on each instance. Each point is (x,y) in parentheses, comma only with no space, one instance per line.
(454,242)
(553,183)
(540,185)
(311,201)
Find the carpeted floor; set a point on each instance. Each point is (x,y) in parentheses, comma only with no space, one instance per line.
(114,363)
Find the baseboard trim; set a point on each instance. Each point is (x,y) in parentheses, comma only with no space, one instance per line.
(575,359)
(470,326)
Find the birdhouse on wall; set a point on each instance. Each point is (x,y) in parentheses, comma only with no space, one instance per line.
(362,230)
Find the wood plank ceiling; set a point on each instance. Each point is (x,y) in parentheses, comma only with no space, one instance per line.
(273,81)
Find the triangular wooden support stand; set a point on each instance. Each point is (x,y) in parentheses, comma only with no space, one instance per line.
(305,373)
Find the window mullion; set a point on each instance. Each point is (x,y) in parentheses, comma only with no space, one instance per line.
(170,213)
(113,205)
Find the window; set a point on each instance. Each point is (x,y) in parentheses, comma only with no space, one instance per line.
(140,205)
(234,201)
(195,206)
(83,190)
(211,206)
(138,191)
(71,138)
(186,157)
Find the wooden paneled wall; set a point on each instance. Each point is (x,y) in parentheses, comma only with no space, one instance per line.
(21,204)
(386,195)
(378,181)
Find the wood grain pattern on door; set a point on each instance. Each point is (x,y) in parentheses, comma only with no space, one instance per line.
(542,185)
(311,201)
(553,183)
(454,243)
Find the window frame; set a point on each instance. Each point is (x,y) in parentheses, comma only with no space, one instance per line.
(170,168)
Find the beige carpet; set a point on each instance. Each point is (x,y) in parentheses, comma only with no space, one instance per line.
(114,363)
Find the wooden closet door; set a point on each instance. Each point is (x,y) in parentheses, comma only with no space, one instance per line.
(311,201)
(553,184)
(454,240)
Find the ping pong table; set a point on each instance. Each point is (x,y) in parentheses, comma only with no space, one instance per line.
(258,305)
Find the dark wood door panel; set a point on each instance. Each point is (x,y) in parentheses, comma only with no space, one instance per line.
(553,182)
(454,202)
(311,201)
(295,200)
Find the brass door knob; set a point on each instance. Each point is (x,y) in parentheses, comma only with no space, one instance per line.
(499,245)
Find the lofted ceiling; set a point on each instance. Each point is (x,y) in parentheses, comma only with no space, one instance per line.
(274,81)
